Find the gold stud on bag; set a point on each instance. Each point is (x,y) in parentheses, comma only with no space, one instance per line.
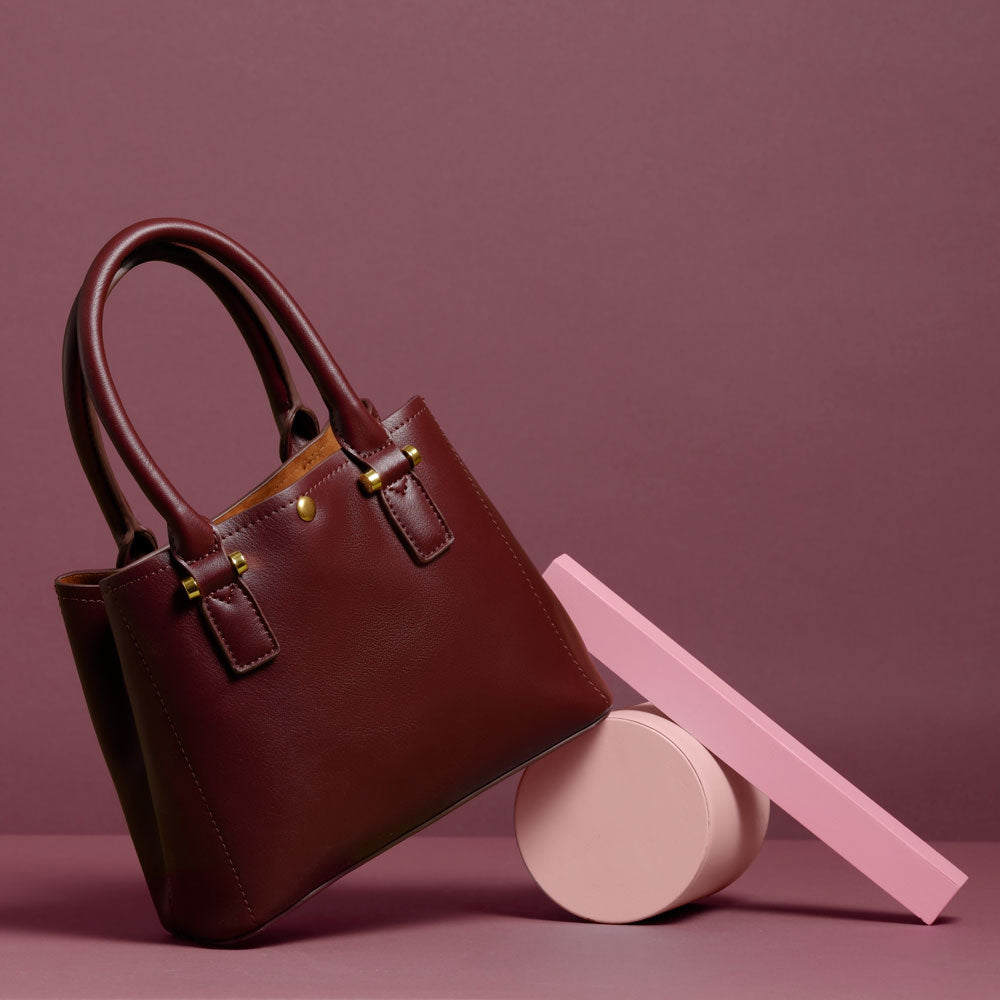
(306,508)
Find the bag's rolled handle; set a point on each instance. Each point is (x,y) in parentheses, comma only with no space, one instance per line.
(192,535)
(297,425)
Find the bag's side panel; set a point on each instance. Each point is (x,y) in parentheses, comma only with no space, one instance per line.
(97,663)
(206,897)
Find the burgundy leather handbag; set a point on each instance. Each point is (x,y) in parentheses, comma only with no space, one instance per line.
(350,651)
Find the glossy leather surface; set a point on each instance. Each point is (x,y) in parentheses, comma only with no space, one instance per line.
(398,682)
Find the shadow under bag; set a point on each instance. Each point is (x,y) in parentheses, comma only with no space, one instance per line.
(350,651)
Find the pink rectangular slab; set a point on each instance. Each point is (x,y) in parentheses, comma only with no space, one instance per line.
(737,732)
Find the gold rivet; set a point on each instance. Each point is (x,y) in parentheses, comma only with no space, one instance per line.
(371,481)
(412,454)
(305,507)
(190,586)
(239,563)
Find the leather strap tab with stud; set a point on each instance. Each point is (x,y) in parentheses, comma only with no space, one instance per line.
(391,477)
(229,609)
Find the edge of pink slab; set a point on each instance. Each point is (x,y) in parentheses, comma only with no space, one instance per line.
(741,735)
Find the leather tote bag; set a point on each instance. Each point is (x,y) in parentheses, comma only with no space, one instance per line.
(351,650)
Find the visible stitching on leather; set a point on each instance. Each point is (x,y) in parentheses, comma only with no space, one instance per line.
(396,430)
(448,536)
(128,583)
(268,634)
(81,600)
(215,548)
(236,531)
(433,507)
(187,760)
(264,627)
(388,446)
(216,545)
(520,566)
(346,464)
(398,490)
(390,492)
(310,460)
(401,486)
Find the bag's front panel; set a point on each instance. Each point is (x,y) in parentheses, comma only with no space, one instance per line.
(399,689)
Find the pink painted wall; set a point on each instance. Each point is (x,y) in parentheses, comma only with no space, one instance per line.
(707,295)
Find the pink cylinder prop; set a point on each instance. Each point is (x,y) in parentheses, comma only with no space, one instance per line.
(635,817)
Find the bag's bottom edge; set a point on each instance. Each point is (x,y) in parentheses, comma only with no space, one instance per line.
(249,935)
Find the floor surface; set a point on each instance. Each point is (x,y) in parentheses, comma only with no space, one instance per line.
(460,917)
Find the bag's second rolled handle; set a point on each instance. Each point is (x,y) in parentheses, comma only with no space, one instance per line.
(192,535)
(296,424)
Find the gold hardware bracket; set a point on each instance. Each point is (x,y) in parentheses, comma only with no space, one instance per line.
(190,584)
(305,507)
(371,481)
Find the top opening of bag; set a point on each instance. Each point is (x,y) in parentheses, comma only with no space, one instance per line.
(291,472)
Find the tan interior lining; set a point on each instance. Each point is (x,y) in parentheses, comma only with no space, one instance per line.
(85,578)
(291,472)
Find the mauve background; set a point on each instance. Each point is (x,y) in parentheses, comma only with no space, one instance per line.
(707,296)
